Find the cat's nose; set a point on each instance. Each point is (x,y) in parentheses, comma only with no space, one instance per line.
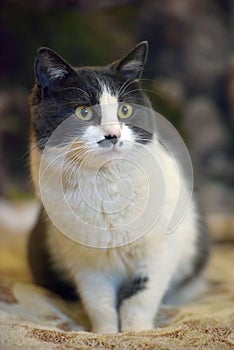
(112,131)
(112,138)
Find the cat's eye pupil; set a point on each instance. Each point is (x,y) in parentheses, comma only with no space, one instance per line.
(125,110)
(84,112)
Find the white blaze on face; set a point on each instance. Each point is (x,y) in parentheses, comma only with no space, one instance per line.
(109,126)
(109,108)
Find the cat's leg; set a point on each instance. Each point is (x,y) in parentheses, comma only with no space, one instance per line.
(138,308)
(98,294)
(40,261)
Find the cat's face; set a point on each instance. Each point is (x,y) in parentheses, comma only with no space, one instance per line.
(106,109)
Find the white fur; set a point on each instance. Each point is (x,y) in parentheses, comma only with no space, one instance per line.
(56,72)
(133,65)
(107,98)
(98,273)
(109,105)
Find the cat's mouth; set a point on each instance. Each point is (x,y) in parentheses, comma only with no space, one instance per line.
(107,142)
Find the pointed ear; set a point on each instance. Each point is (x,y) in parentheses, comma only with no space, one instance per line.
(132,64)
(50,68)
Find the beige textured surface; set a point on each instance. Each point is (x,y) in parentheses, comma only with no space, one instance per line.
(33,318)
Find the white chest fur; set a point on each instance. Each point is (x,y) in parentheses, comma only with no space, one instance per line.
(101,207)
(109,208)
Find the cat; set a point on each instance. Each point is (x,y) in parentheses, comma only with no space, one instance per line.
(120,285)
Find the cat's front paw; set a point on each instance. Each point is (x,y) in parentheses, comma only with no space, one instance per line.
(135,320)
(136,326)
(107,329)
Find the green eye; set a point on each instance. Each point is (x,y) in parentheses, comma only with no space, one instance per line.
(125,111)
(84,112)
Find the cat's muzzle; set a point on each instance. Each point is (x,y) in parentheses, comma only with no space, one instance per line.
(107,140)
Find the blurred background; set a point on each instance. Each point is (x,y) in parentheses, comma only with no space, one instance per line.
(189,77)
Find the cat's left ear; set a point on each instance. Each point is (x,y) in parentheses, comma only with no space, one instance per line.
(132,64)
(50,68)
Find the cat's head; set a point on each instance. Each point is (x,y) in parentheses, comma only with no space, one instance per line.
(104,104)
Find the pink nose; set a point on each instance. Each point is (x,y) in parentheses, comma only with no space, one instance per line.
(112,132)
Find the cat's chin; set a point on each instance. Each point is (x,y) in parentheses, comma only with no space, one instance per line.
(113,151)
(102,157)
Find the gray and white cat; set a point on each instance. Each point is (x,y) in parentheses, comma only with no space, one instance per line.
(120,287)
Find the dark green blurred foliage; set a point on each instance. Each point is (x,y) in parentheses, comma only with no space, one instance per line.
(82,36)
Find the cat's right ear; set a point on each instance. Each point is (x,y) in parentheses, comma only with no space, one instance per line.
(50,68)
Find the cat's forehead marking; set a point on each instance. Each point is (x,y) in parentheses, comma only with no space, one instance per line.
(107,97)
(109,104)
